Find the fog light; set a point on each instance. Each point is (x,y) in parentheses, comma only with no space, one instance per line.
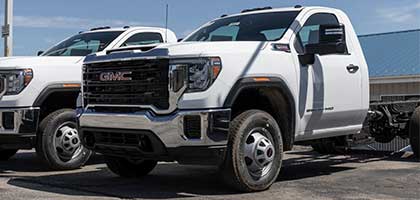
(192,127)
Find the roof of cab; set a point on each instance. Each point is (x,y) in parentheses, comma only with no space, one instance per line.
(126,29)
(285,9)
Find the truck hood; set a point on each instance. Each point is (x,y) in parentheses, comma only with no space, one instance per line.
(37,61)
(211,48)
(184,49)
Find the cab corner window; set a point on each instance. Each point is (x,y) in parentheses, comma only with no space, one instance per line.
(143,39)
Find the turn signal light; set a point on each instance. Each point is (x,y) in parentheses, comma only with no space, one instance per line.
(216,65)
(27,76)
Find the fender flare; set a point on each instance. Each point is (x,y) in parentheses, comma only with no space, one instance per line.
(272,82)
(53,88)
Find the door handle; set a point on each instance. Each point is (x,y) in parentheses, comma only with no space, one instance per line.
(352,68)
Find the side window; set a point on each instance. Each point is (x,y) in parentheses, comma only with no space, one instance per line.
(143,39)
(225,33)
(310,30)
(82,48)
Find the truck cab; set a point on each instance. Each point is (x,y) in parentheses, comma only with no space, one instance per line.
(235,93)
(38,93)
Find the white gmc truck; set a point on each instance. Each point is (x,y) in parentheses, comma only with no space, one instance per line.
(236,93)
(38,94)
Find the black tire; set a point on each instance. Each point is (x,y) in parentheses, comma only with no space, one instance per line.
(6,154)
(235,169)
(129,169)
(45,146)
(337,145)
(415,132)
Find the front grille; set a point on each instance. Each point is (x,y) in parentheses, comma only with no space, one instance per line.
(104,109)
(147,83)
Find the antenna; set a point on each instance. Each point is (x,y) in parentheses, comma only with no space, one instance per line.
(166,24)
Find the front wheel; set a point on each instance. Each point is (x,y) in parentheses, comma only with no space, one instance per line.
(58,143)
(129,168)
(254,153)
(5,154)
(415,132)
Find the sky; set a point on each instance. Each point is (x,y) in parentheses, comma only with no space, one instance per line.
(42,23)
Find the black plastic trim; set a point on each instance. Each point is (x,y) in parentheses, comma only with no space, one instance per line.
(219,124)
(13,141)
(50,89)
(275,82)
(202,155)
(198,155)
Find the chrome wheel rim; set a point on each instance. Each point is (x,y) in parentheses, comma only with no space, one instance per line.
(67,143)
(259,153)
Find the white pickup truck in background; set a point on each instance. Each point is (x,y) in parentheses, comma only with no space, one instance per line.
(38,94)
(237,93)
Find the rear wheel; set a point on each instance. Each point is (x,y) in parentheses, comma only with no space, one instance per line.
(415,132)
(129,168)
(254,153)
(5,154)
(58,142)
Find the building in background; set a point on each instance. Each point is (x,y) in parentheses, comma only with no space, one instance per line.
(394,68)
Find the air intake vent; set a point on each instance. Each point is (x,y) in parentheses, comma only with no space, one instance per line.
(192,127)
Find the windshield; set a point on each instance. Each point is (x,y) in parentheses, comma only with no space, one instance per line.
(83,44)
(253,27)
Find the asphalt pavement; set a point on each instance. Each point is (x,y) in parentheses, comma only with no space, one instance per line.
(305,175)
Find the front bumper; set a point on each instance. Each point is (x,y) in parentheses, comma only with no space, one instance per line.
(179,136)
(18,127)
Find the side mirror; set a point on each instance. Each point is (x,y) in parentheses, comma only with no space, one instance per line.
(331,40)
(180,39)
(39,53)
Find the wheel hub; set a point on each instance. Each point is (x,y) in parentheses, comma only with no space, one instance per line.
(67,142)
(259,153)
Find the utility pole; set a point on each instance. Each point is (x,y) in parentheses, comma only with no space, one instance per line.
(7,29)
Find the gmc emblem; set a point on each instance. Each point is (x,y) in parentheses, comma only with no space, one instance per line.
(115,76)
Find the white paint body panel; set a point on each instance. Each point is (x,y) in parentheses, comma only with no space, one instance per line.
(326,84)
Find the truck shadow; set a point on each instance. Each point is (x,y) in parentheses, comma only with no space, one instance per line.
(169,180)
(27,161)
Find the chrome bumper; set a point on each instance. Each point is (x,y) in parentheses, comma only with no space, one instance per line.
(19,121)
(169,129)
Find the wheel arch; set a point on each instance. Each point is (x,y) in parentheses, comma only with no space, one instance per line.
(57,96)
(276,92)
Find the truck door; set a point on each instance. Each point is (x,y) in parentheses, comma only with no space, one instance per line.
(330,97)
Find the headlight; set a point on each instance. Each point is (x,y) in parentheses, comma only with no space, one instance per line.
(198,74)
(16,80)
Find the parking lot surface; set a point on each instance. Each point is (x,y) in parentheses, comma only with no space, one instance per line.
(305,175)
